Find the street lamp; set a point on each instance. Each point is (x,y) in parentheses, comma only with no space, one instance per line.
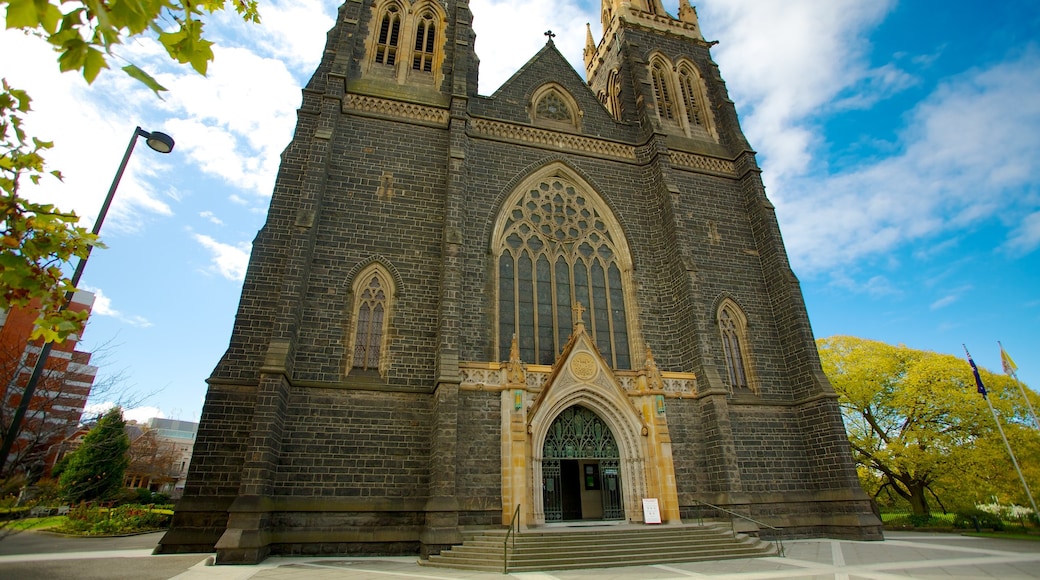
(160,142)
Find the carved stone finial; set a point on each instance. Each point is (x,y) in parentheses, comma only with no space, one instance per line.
(654,381)
(687,13)
(515,374)
(550,35)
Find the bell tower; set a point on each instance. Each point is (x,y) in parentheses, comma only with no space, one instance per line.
(655,70)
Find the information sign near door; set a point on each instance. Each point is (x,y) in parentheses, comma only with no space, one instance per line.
(651,511)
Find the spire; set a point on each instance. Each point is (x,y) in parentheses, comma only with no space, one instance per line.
(590,46)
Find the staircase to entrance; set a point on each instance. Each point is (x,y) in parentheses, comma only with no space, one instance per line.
(599,547)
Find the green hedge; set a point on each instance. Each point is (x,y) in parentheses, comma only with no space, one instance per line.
(94,520)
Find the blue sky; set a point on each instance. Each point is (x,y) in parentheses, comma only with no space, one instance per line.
(899,142)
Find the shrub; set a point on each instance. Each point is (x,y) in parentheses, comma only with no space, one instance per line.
(967,518)
(95,520)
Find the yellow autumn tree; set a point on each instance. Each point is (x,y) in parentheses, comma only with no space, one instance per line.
(917,425)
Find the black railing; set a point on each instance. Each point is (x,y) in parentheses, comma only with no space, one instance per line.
(513,524)
(778,534)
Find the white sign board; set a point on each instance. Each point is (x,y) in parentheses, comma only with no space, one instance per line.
(651,511)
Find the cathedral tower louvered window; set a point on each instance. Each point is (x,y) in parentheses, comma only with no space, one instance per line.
(389,35)
(425,37)
(662,91)
(688,87)
(558,245)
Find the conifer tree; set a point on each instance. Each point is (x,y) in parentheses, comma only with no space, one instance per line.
(95,470)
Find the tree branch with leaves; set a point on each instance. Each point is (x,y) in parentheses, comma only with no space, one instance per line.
(39,240)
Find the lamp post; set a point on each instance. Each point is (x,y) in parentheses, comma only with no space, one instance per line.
(160,142)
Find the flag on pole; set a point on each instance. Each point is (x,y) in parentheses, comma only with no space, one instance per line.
(1005,359)
(975,371)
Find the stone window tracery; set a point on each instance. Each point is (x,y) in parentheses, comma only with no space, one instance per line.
(553,107)
(557,248)
(733,328)
(373,291)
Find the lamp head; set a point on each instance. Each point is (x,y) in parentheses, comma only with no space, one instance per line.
(160,142)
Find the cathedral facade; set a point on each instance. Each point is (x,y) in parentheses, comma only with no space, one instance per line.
(551,303)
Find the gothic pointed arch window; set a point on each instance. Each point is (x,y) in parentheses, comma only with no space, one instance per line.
(372,292)
(688,88)
(695,112)
(425,42)
(388,38)
(557,245)
(733,328)
(660,76)
(553,106)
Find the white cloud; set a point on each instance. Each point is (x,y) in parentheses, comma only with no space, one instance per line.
(1026,237)
(516,29)
(943,302)
(211,218)
(875,286)
(103,307)
(139,414)
(287,29)
(785,61)
(228,260)
(943,178)
(234,122)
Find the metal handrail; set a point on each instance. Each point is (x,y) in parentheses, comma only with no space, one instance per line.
(779,538)
(515,522)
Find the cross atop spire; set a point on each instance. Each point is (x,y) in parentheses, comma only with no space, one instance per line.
(577,310)
(550,35)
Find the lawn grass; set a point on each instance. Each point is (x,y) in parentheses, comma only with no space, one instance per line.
(43,523)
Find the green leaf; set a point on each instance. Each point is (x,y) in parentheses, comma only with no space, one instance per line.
(93,63)
(138,74)
(22,14)
(49,15)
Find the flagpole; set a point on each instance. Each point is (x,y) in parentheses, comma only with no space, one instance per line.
(1036,512)
(1013,371)
(1014,461)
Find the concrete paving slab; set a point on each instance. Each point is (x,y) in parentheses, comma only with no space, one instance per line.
(902,556)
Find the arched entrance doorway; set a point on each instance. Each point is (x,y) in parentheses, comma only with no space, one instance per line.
(581,476)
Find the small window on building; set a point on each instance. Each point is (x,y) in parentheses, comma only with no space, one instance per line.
(552,106)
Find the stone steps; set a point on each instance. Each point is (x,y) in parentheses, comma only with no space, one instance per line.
(599,547)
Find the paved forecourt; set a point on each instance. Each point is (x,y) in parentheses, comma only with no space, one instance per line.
(902,555)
